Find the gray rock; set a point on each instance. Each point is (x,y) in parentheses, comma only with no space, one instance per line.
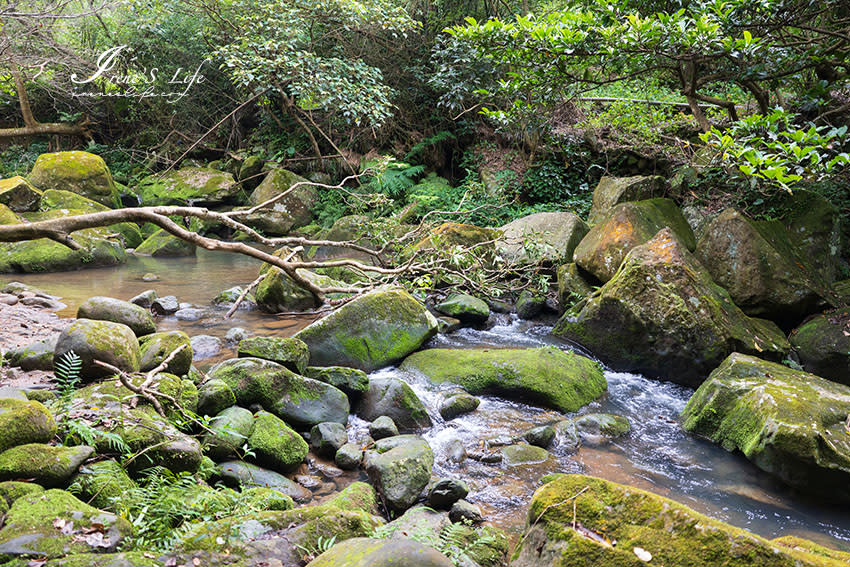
(399,468)
(529,305)
(109,342)
(156,347)
(394,398)
(35,356)
(245,475)
(458,404)
(235,334)
(118,311)
(327,438)
(540,436)
(145,299)
(165,305)
(10,393)
(205,346)
(348,456)
(229,430)
(464,511)
(365,552)
(352,381)
(446,492)
(382,427)
(549,237)
(190,314)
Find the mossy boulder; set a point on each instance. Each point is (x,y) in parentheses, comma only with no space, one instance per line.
(453,234)
(789,423)
(662,315)
(98,249)
(573,286)
(366,552)
(822,344)
(374,330)
(593,428)
(815,230)
(106,393)
(393,398)
(464,307)
(47,465)
(80,172)
(530,304)
(458,404)
(523,454)
(289,352)
(58,199)
(564,530)
(110,309)
(196,186)
(113,343)
(213,396)
(102,484)
(546,376)
(11,490)
(399,468)
(228,432)
(34,356)
(57,204)
(352,381)
(23,422)
(161,244)
(247,475)
(54,523)
(298,204)
(19,195)
(625,226)
(278,292)
(541,237)
(761,269)
(250,172)
(7,216)
(300,401)
(275,444)
(156,347)
(611,191)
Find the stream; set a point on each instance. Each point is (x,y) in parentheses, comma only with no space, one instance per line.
(657,455)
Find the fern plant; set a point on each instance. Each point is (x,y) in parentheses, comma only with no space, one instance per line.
(67,370)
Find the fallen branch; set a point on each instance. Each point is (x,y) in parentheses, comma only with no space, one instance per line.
(243,295)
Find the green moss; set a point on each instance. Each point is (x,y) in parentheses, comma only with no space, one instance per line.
(43,255)
(157,346)
(189,186)
(262,498)
(125,559)
(357,496)
(11,490)
(547,376)
(7,216)
(103,483)
(80,172)
(163,244)
(47,465)
(275,443)
(60,199)
(810,553)
(289,352)
(24,422)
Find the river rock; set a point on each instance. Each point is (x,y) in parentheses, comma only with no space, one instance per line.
(327,438)
(572,286)
(54,523)
(288,352)
(348,456)
(612,191)
(446,492)
(297,205)
(162,244)
(465,512)
(34,356)
(451,235)
(155,348)
(194,186)
(103,484)
(228,432)
(365,552)
(523,454)
(399,468)
(546,376)
(54,199)
(662,315)
(541,237)
(279,293)
(593,428)
(822,344)
(372,331)
(540,436)
(789,423)
(393,398)
(639,522)
(250,172)
(109,342)
(246,475)
(214,396)
(625,226)
(165,305)
(47,465)
(300,401)
(352,381)
(145,299)
(465,307)
(19,195)
(383,426)
(275,444)
(757,264)
(118,311)
(458,404)
(81,172)
(205,346)
(24,422)
(530,304)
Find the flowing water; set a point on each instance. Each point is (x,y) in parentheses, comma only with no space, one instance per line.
(657,455)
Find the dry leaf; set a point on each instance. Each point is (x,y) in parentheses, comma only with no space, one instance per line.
(642,554)
(59,523)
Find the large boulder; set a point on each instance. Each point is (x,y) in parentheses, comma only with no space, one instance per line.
(80,172)
(366,552)
(286,351)
(300,401)
(228,431)
(575,520)
(625,226)
(374,330)
(453,235)
(662,315)
(109,342)
(57,199)
(275,444)
(760,268)
(296,206)
(393,398)
(465,308)
(399,468)
(546,376)
(541,237)
(822,344)
(118,311)
(612,191)
(47,465)
(197,186)
(17,194)
(246,475)
(161,244)
(23,422)
(278,292)
(789,423)
(815,229)
(156,347)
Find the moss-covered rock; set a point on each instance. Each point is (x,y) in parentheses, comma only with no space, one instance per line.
(596,427)
(300,401)
(24,422)
(250,172)
(11,490)
(352,381)
(530,304)
(214,396)
(57,199)
(546,376)
(374,330)
(625,226)
(102,484)
(161,244)
(523,454)
(572,286)
(809,553)
(393,398)
(399,468)
(118,311)
(451,234)
(34,356)
(80,172)
(758,265)
(541,237)
(107,393)
(278,292)
(564,530)
(789,423)
(113,343)
(366,552)
(44,255)
(814,228)
(228,431)
(54,523)
(246,475)
(58,204)
(7,216)
(289,352)
(198,186)
(275,444)
(612,191)
(262,498)
(466,308)
(19,195)
(327,438)
(822,344)
(458,404)
(156,347)
(298,204)
(47,465)
(662,315)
